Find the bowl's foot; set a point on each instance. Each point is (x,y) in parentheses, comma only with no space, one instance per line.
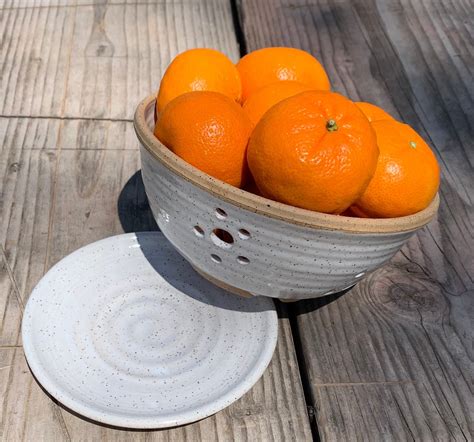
(230,288)
(223,285)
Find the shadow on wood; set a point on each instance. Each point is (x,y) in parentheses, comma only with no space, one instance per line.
(91,421)
(133,209)
(311,305)
(179,273)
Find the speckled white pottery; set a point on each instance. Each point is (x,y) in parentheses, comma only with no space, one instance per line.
(263,247)
(124,332)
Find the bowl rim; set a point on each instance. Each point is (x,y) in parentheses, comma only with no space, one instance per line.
(265,206)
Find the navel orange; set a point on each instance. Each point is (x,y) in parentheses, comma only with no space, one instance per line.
(258,103)
(372,112)
(199,70)
(208,130)
(265,66)
(315,150)
(407,175)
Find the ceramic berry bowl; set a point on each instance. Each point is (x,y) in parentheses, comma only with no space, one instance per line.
(250,245)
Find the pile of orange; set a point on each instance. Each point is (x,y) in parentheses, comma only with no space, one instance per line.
(272,124)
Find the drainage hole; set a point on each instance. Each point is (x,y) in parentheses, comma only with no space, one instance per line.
(198,231)
(222,238)
(243,260)
(216,258)
(244,234)
(221,213)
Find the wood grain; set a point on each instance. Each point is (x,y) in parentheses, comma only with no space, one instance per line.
(27,168)
(34,54)
(68,165)
(120,51)
(393,358)
(97,60)
(11,305)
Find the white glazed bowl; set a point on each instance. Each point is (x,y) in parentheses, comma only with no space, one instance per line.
(277,250)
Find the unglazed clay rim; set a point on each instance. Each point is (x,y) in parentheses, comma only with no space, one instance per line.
(267,207)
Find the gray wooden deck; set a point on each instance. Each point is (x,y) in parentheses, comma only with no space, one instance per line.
(392,359)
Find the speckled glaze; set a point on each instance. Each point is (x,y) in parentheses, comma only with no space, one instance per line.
(263,247)
(124,332)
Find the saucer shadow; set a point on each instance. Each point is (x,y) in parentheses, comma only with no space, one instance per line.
(101,424)
(133,209)
(167,261)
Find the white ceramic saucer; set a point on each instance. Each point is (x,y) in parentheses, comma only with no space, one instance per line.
(125,332)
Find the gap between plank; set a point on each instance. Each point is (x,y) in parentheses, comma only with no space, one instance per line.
(15,287)
(237,19)
(239,33)
(308,397)
(362,384)
(52,117)
(138,3)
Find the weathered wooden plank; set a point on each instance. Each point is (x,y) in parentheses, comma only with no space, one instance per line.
(11,305)
(34,54)
(120,52)
(88,186)
(27,167)
(391,333)
(29,4)
(98,135)
(393,358)
(97,59)
(23,4)
(24,401)
(394,410)
(28,159)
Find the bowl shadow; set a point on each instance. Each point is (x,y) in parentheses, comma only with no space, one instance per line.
(291,310)
(133,209)
(174,268)
(136,217)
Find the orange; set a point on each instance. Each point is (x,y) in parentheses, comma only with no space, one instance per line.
(265,66)
(315,150)
(407,175)
(372,112)
(208,130)
(258,103)
(199,70)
